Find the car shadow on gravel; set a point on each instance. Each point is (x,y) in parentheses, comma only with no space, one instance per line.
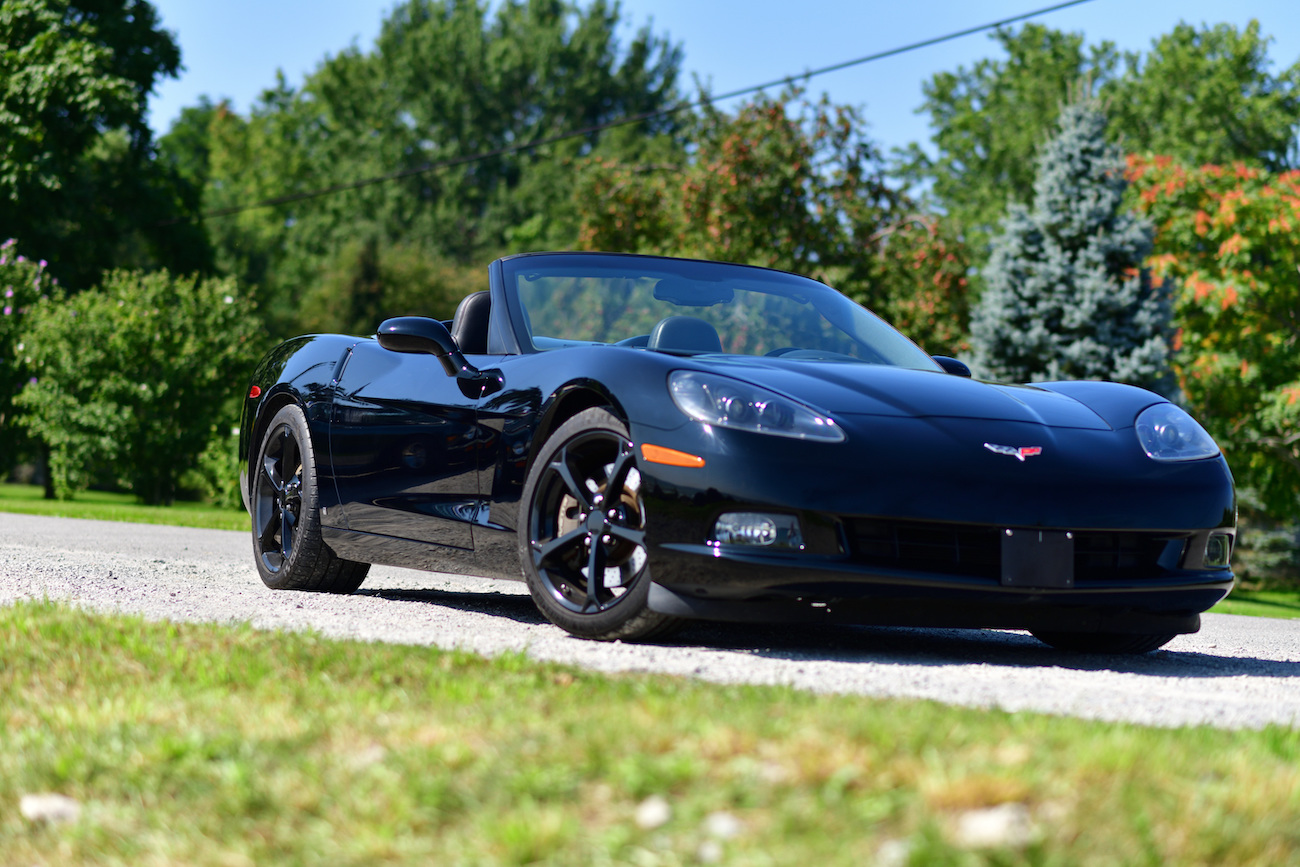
(514,606)
(944,647)
(878,645)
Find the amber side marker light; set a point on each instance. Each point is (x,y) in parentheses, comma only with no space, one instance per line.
(255,392)
(671,457)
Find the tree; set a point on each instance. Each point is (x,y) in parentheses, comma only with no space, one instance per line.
(132,377)
(186,148)
(447,80)
(783,183)
(990,119)
(77,180)
(1227,234)
(1200,95)
(1066,296)
(1208,96)
(367,283)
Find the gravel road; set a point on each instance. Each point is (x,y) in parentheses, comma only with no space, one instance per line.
(1237,672)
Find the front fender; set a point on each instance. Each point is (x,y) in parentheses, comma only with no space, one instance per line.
(301,370)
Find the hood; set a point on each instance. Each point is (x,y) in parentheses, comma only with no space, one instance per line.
(870,389)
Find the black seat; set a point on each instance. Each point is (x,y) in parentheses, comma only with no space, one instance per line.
(685,332)
(469,327)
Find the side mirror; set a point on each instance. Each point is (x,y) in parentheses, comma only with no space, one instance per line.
(952,365)
(422,335)
(419,334)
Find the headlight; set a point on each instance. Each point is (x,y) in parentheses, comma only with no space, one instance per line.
(724,402)
(1169,434)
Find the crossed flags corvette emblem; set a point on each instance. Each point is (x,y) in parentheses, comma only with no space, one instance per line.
(1019,453)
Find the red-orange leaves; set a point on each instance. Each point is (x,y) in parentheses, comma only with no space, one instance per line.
(1231,236)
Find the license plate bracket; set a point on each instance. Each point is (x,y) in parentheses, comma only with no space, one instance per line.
(1037,558)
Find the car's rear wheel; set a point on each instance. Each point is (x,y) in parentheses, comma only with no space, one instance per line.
(582,535)
(287,544)
(1104,642)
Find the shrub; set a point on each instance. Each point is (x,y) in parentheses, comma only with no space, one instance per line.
(132,377)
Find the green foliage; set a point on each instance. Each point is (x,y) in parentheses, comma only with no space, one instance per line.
(366,283)
(133,376)
(1266,555)
(69,71)
(446,79)
(1209,96)
(990,120)
(1205,95)
(216,470)
(1227,234)
(1066,297)
(22,283)
(77,179)
(923,272)
(783,183)
(186,149)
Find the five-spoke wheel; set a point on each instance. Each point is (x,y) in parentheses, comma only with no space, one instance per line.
(279,498)
(583,532)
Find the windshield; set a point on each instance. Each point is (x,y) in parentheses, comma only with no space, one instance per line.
(689,308)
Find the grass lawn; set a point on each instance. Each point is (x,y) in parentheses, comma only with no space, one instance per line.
(1262,603)
(103,506)
(195,744)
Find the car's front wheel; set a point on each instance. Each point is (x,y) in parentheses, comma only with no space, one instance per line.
(1104,642)
(287,544)
(582,534)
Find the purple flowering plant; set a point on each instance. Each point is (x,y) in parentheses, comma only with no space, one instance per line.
(21,279)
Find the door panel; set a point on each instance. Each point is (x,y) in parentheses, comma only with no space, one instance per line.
(406,447)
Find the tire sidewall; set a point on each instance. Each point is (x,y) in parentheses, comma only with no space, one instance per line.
(629,615)
(308,527)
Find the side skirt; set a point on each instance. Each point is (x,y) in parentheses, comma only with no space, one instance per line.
(410,554)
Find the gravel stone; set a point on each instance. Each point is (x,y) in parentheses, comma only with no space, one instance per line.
(1237,672)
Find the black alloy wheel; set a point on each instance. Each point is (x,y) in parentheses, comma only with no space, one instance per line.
(287,542)
(582,543)
(279,498)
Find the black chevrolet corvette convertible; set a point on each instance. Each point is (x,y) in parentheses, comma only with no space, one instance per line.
(645,440)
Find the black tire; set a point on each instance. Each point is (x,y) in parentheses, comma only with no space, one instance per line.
(571,529)
(1104,642)
(287,544)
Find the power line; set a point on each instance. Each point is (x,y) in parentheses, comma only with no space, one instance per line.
(451,162)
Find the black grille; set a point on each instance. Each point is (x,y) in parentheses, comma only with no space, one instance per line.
(963,549)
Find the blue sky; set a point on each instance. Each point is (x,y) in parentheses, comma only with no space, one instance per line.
(232,49)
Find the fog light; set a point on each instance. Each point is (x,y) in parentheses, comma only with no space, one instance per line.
(1218,551)
(758,530)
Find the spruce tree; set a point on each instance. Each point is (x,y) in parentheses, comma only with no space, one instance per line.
(1065,295)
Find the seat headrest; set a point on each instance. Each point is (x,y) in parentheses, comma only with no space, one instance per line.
(685,332)
(469,327)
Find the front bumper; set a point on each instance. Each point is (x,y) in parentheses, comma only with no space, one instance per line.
(707,582)
(903,524)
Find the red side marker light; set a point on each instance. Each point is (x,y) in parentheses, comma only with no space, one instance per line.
(255,392)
